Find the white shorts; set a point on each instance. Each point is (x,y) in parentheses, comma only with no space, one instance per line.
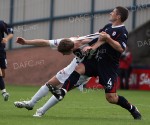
(63,74)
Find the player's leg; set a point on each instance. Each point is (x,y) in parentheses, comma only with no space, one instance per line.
(62,75)
(43,91)
(114,98)
(69,84)
(108,79)
(53,100)
(49,104)
(87,67)
(108,76)
(3,66)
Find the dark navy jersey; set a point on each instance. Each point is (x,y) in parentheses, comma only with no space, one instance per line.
(107,52)
(80,54)
(4,29)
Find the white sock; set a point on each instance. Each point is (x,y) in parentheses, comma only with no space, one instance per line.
(4,90)
(50,103)
(43,91)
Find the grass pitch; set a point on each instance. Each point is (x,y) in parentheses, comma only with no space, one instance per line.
(78,108)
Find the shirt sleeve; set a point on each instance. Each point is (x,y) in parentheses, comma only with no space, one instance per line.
(93,41)
(122,39)
(54,43)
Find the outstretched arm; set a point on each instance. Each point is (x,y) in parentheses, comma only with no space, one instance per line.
(54,43)
(7,38)
(38,42)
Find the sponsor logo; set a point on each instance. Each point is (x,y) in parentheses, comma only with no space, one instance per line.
(133,79)
(144,79)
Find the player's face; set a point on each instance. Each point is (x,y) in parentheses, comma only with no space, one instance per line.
(114,16)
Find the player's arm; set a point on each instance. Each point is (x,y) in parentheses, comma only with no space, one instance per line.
(7,38)
(41,42)
(9,31)
(115,44)
(85,39)
(93,45)
(82,42)
(35,42)
(38,42)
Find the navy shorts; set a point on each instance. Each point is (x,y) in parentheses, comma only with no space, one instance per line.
(3,63)
(106,72)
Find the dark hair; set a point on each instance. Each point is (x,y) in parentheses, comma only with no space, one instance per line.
(123,12)
(65,46)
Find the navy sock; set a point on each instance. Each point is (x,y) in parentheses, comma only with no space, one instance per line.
(71,81)
(125,104)
(2,84)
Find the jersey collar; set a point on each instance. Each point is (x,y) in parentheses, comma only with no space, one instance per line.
(117,26)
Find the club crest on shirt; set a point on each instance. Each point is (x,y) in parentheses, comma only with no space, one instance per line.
(114,33)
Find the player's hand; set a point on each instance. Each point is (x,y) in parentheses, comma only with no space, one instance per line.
(104,36)
(4,40)
(21,40)
(87,49)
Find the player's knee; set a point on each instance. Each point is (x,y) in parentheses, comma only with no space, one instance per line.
(80,69)
(111,99)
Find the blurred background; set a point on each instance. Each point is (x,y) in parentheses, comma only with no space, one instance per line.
(51,19)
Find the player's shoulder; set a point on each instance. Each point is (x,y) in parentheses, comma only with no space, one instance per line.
(121,29)
(124,31)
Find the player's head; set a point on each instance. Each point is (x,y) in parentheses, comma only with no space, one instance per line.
(66,46)
(119,14)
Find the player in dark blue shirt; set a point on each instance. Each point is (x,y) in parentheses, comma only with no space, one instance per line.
(4,29)
(104,62)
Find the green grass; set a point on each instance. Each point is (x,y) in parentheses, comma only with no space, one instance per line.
(78,108)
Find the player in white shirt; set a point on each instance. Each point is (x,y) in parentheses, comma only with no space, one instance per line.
(59,78)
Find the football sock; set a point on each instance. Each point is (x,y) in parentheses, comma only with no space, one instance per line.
(2,84)
(4,90)
(43,91)
(125,104)
(50,103)
(71,81)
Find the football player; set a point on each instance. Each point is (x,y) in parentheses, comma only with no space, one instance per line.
(4,29)
(65,46)
(104,63)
